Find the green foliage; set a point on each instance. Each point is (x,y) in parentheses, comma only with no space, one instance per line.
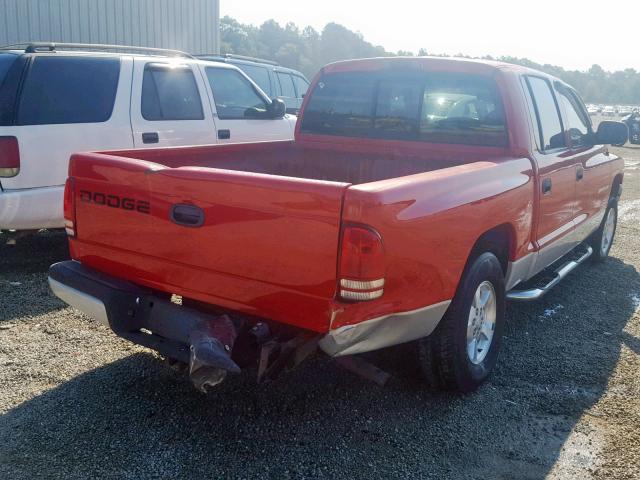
(308,50)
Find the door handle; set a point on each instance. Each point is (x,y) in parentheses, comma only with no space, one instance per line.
(224,134)
(579,174)
(150,137)
(187,215)
(546,185)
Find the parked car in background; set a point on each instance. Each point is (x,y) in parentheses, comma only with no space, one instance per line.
(418,195)
(59,99)
(275,80)
(592,110)
(608,111)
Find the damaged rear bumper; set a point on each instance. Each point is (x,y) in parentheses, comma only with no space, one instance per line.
(202,340)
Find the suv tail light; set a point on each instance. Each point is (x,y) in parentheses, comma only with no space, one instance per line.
(362,264)
(69,207)
(9,157)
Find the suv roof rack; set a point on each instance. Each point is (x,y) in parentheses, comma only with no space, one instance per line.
(240,57)
(33,47)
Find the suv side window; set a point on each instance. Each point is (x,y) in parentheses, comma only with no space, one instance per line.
(286,85)
(578,123)
(260,75)
(234,95)
(301,85)
(170,93)
(74,89)
(548,116)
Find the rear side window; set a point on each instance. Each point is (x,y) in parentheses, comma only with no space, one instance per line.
(234,95)
(69,90)
(286,85)
(170,92)
(260,75)
(433,107)
(301,85)
(548,116)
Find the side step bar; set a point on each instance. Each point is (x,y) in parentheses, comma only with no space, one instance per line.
(537,292)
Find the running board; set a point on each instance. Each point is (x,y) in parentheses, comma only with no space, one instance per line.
(536,293)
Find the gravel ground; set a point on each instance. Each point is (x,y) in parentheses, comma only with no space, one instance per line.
(77,402)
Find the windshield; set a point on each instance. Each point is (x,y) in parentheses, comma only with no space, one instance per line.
(433,107)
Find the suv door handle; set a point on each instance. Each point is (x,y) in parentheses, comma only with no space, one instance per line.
(579,174)
(546,185)
(150,137)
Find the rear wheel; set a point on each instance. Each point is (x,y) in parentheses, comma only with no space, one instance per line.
(602,239)
(463,350)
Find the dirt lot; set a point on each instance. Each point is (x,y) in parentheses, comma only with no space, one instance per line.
(77,402)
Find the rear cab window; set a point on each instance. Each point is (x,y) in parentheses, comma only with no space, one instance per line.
(73,89)
(434,107)
(170,92)
(9,83)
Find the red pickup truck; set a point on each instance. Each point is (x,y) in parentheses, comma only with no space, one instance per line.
(418,196)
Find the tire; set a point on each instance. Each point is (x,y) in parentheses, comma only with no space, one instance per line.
(602,239)
(445,356)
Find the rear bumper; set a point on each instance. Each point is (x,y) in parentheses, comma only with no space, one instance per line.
(31,208)
(132,312)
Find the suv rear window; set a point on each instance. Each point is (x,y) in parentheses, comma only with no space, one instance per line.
(69,90)
(433,107)
(6,60)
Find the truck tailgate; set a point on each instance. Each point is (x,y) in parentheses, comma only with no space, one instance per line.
(267,244)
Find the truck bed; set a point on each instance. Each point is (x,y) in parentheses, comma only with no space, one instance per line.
(352,163)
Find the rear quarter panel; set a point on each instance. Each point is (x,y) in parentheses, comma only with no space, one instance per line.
(429,224)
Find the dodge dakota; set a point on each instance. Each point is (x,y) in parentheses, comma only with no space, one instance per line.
(419,195)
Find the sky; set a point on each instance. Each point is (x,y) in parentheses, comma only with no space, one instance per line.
(569,33)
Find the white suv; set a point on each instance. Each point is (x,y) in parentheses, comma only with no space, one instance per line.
(59,99)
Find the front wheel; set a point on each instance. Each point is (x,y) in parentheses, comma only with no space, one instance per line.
(463,350)
(602,239)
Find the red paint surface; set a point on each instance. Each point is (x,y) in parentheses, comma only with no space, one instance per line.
(269,245)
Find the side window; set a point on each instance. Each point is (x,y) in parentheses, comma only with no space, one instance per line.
(398,108)
(301,85)
(170,93)
(286,84)
(578,123)
(74,89)
(260,75)
(548,116)
(234,96)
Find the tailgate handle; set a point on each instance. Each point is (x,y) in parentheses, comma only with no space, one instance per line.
(187,215)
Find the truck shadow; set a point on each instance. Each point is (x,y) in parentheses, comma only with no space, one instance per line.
(136,417)
(23,282)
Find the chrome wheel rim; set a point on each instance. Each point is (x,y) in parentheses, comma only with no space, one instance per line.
(607,232)
(482,322)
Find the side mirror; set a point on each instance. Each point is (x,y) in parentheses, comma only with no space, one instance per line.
(612,133)
(277,108)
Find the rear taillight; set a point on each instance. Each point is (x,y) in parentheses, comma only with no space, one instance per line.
(9,157)
(69,208)
(362,264)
